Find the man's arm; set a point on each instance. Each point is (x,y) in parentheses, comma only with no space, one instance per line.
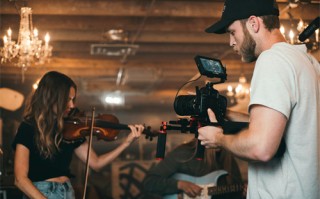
(259,142)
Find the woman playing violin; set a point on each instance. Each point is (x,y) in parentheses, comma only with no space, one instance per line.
(42,156)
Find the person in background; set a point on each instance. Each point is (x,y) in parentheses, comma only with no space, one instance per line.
(42,156)
(281,144)
(160,179)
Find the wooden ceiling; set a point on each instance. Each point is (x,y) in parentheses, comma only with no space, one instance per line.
(168,33)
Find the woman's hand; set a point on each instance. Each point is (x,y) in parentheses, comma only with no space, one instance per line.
(136,131)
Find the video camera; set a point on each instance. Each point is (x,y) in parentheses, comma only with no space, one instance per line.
(196,107)
(206,97)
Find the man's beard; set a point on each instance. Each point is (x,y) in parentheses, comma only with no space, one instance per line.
(247,49)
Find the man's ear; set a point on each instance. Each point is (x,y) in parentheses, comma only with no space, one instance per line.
(253,24)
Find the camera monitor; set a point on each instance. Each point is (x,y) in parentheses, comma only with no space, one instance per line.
(210,67)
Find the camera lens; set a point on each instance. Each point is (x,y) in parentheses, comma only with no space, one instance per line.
(185,105)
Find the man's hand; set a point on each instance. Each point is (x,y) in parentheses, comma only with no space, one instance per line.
(210,135)
(189,188)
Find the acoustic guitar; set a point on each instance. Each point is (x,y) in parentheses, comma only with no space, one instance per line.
(208,183)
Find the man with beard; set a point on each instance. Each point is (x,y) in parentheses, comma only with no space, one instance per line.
(282,141)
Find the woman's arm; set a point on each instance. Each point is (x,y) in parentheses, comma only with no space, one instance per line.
(97,162)
(21,169)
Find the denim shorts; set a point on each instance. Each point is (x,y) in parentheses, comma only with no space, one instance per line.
(55,190)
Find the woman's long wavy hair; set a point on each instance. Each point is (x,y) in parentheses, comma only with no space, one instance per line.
(46,108)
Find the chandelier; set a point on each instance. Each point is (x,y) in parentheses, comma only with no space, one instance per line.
(292,30)
(28,49)
(292,35)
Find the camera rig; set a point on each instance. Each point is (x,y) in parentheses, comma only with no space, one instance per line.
(196,106)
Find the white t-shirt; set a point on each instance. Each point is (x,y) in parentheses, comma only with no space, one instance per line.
(287,79)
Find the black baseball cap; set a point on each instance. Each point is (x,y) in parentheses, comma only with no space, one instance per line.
(241,9)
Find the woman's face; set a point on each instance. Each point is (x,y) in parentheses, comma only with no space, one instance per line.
(70,104)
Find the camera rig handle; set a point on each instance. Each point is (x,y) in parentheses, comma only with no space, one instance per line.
(231,127)
(184,126)
(192,125)
(161,143)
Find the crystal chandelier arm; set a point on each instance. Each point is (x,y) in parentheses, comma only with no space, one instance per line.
(29,48)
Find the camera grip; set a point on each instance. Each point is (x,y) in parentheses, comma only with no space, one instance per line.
(161,145)
(231,127)
(199,151)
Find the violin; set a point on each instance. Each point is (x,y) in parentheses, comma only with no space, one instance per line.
(106,127)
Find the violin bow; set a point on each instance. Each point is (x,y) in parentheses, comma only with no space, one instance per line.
(88,154)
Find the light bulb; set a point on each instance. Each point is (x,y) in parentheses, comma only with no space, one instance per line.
(291,36)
